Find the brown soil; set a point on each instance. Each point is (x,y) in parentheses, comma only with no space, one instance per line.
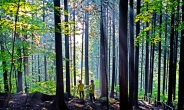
(29,102)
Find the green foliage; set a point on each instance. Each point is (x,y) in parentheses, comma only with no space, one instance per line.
(1,85)
(97,83)
(163,97)
(47,87)
(116,88)
(140,93)
(157,7)
(86,92)
(73,90)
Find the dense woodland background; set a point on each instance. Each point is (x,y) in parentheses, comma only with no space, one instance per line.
(132,49)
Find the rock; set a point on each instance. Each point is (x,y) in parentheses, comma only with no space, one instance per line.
(42,96)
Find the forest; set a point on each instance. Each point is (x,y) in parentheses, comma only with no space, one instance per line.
(91,54)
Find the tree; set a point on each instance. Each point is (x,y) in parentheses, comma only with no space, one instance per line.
(180,88)
(103,53)
(159,59)
(131,57)
(26,67)
(114,53)
(67,49)
(12,55)
(5,71)
(123,70)
(19,70)
(170,85)
(86,46)
(74,50)
(137,57)
(59,99)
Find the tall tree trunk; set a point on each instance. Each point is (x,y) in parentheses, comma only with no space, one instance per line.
(152,54)
(45,58)
(123,75)
(181,75)
(67,49)
(86,47)
(165,56)
(170,85)
(175,53)
(82,51)
(142,63)
(26,67)
(159,59)
(19,69)
(114,52)
(59,99)
(147,62)
(103,54)
(137,58)
(131,57)
(74,64)
(5,71)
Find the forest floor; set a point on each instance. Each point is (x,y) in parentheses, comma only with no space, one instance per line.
(41,102)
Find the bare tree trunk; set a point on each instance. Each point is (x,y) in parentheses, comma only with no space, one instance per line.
(74,61)
(26,69)
(5,71)
(86,47)
(181,75)
(67,49)
(171,61)
(137,58)
(19,69)
(131,57)
(123,70)
(59,99)
(114,53)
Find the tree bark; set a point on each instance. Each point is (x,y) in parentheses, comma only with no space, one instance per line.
(123,75)
(59,102)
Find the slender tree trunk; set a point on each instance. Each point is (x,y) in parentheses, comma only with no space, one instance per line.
(181,75)
(82,53)
(19,69)
(26,67)
(39,73)
(12,56)
(152,55)
(171,60)
(74,64)
(142,62)
(131,57)
(5,72)
(147,62)
(159,61)
(45,68)
(67,50)
(114,53)
(137,58)
(165,56)
(86,47)
(175,53)
(45,58)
